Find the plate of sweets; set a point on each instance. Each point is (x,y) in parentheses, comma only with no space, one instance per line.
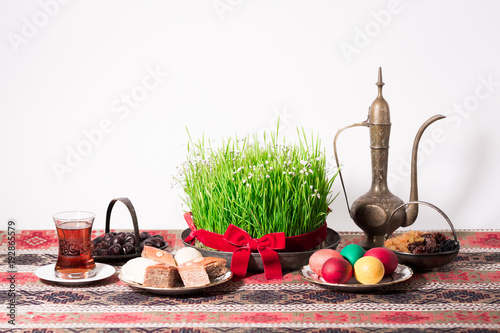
(159,272)
(355,270)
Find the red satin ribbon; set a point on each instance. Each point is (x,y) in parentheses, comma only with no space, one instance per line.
(265,245)
(239,242)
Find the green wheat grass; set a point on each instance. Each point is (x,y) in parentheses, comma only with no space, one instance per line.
(261,187)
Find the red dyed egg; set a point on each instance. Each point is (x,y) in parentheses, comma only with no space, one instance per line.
(319,257)
(337,270)
(386,256)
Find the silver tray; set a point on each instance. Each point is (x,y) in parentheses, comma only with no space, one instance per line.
(180,290)
(402,273)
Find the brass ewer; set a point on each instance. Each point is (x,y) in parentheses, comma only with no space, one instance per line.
(371,211)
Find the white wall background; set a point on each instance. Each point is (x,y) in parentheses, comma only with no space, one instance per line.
(232,66)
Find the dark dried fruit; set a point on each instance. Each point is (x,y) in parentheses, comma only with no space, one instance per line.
(158,242)
(149,242)
(115,250)
(108,237)
(103,252)
(128,248)
(440,238)
(144,235)
(102,245)
(130,240)
(448,245)
(414,245)
(420,249)
(121,243)
(431,248)
(118,240)
(433,243)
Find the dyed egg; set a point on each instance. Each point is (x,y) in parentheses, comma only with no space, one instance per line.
(386,256)
(336,270)
(318,258)
(352,253)
(368,270)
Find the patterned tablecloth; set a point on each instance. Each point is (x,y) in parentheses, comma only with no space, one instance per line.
(462,297)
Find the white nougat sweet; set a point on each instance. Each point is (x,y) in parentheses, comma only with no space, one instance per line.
(134,269)
(186,254)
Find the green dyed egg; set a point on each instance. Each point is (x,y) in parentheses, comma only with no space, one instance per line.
(352,253)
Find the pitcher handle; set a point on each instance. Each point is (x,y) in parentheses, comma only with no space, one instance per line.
(364,123)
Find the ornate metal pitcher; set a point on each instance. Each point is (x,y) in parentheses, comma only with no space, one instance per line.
(372,210)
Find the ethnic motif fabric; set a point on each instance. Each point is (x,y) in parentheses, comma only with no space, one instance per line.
(463,296)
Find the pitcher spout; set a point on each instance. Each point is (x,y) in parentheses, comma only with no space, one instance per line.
(412,209)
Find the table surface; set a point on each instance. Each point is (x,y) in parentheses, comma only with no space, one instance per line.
(463,296)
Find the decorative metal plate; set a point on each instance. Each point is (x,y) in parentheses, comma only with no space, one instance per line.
(180,290)
(402,273)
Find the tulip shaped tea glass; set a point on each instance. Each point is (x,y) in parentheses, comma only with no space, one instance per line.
(74,260)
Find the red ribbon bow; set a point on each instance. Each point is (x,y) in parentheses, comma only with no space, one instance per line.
(266,247)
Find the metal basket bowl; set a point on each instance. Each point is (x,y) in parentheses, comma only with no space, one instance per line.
(138,250)
(427,261)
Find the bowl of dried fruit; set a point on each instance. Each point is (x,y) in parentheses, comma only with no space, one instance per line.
(423,250)
(122,246)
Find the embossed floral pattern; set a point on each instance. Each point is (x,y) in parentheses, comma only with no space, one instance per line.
(74,248)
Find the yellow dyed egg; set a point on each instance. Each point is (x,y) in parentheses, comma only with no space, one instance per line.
(369,270)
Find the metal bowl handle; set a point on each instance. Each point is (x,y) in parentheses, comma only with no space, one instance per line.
(131,209)
(425,204)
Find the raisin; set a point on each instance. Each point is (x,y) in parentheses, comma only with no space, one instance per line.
(448,245)
(440,238)
(412,246)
